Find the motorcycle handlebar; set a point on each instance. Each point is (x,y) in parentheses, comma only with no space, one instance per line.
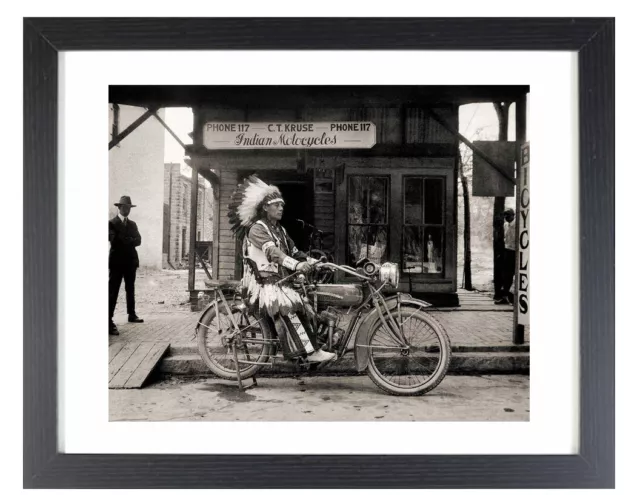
(343,268)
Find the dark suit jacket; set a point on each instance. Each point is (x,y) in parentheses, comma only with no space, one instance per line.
(124,240)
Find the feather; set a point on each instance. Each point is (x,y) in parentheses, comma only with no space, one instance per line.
(245,202)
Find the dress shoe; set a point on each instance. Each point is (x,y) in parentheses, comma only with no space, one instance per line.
(321,356)
(135,319)
(113,330)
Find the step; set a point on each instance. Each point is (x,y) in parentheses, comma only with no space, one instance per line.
(461,363)
(186,349)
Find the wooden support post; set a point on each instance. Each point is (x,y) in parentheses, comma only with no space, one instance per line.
(502,111)
(193,225)
(521,138)
(215,238)
(134,125)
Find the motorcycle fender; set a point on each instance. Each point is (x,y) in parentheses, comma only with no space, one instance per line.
(211,305)
(368,324)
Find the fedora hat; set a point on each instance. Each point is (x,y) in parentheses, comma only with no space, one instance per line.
(124,200)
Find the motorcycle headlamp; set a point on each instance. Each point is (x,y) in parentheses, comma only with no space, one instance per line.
(390,274)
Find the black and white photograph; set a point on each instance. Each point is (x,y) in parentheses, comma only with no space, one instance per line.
(318,253)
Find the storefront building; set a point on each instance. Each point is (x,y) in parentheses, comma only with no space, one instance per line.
(373,166)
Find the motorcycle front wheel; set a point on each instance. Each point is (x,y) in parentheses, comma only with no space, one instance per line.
(412,371)
(217,354)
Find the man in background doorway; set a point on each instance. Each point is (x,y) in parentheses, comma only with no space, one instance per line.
(509,258)
(123,260)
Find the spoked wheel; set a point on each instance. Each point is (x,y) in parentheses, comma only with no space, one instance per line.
(216,350)
(412,371)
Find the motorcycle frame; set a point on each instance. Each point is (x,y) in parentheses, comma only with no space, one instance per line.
(380,311)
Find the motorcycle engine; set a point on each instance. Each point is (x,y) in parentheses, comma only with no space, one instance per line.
(327,323)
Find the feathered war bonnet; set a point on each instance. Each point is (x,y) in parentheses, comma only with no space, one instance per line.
(246,203)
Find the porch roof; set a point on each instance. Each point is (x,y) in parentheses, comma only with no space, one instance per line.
(301,96)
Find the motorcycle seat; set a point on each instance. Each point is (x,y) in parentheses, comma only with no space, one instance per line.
(222,284)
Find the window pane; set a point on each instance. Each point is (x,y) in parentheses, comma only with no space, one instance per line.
(377,200)
(412,250)
(357,205)
(413,201)
(433,191)
(368,204)
(368,242)
(433,259)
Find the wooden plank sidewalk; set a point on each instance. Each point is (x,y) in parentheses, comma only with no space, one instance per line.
(131,363)
(478,301)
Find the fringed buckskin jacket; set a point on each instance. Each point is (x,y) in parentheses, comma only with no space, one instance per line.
(276,256)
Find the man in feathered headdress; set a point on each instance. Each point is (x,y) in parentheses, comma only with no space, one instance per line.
(254,213)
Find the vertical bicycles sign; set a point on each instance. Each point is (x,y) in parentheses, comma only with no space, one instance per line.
(524,222)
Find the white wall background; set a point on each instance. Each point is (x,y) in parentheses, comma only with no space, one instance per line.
(136,169)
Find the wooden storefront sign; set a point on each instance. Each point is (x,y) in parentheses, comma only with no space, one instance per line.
(288,135)
(523,239)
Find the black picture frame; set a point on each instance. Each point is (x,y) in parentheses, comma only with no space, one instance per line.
(593,466)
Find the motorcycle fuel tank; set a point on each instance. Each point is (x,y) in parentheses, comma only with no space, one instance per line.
(340,295)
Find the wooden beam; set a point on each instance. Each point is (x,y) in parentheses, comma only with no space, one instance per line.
(431,150)
(132,127)
(169,130)
(211,177)
(474,148)
(193,225)
(203,266)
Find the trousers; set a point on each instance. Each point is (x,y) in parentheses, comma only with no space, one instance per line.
(116,275)
(508,272)
(290,341)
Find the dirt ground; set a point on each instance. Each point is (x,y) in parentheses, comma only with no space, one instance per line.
(322,398)
(159,291)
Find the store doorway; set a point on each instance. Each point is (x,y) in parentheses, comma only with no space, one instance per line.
(298,197)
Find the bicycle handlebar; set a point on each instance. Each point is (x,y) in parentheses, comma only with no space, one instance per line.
(311,226)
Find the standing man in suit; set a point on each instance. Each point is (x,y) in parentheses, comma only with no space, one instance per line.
(123,260)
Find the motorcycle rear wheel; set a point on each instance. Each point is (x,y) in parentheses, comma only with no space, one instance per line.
(218,356)
(418,370)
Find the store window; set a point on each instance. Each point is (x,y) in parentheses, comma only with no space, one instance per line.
(368,219)
(423,227)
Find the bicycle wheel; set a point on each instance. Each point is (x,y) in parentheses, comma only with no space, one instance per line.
(413,371)
(217,353)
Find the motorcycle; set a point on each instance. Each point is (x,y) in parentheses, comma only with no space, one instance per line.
(404,349)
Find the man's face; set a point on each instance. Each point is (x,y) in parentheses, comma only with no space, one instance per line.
(274,211)
(509,217)
(124,210)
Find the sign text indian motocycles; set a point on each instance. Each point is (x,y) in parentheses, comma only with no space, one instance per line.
(288,135)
